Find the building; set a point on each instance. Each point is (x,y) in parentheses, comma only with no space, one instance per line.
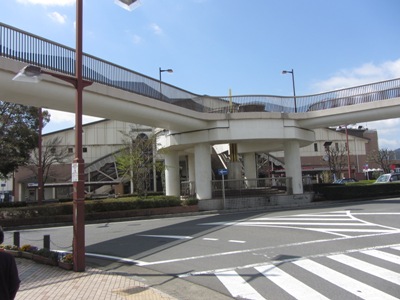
(103,139)
(362,143)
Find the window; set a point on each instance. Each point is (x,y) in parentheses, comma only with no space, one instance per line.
(70,150)
(315,147)
(337,146)
(84,149)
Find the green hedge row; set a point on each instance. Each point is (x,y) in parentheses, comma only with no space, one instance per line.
(357,191)
(91,206)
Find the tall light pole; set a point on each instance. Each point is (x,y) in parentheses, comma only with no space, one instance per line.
(40,167)
(159,72)
(78,165)
(348,153)
(294,88)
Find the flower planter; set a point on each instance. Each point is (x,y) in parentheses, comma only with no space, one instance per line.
(27,255)
(14,253)
(65,265)
(44,260)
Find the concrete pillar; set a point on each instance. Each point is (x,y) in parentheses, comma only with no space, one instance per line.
(172,180)
(202,161)
(250,168)
(293,165)
(192,175)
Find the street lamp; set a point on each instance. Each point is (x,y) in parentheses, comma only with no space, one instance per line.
(294,89)
(78,167)
(160,71)
(40,167)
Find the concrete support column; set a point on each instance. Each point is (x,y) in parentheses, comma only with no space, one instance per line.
(202,161)
(293,165)
(172,180)
(250,168)
(192,175)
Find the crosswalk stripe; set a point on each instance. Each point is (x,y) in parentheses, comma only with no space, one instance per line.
(345,282)
(396,248)
(290,284)
(237,286)
(383,255)
(374,270)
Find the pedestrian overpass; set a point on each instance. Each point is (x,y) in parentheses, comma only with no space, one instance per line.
(252,123)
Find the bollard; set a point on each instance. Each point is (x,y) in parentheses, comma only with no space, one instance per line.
(16,239)
(46,242)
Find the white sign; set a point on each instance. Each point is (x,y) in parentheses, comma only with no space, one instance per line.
(74,172)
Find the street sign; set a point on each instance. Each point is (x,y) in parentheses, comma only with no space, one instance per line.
(223,172)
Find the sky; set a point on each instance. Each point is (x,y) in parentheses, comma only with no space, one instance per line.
(215,46)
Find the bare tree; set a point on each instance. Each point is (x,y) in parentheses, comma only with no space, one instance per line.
(336,158)
(383,158)
(52,153)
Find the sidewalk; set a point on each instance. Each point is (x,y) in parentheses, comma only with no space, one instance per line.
(42,282)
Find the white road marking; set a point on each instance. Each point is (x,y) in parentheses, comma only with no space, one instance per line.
(237,286)
(383,255)
(335,223)
(345,282)
(177,237)
(205,272)
(116,258)
(236,241)
(210,239)
(374,270)
(290,284)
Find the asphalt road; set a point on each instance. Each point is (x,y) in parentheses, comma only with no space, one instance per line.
(343,251)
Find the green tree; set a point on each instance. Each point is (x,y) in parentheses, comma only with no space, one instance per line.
(18,135)
(136,160)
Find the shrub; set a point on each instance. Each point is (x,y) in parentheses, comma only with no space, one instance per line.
(47,253)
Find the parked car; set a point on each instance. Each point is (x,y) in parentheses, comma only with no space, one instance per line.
(390,177)
(345,180)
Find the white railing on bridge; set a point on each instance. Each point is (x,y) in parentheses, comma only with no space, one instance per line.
(25,47)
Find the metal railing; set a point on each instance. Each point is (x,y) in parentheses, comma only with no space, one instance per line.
(239,188)
(31,49)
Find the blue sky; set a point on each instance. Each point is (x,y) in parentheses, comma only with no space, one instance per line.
(217,45)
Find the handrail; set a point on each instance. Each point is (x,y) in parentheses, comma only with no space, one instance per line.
(31,49)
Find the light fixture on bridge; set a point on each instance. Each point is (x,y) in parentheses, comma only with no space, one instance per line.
(159,72)
(128,4)
(29,74)
(294,89)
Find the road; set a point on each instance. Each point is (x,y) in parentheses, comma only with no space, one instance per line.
(344,251)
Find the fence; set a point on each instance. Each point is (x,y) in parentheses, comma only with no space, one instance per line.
(31,49)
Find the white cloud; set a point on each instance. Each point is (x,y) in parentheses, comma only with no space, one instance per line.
(156,29)
(61,120)
(48,2)
(364,74)
(57,17)
(388,130)
(136,39)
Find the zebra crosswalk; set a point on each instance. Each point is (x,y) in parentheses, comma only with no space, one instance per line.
(366,274)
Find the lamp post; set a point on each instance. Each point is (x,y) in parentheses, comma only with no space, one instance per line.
(294,89)
(160,71)
(78,167)
(348,153)
(40,167)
